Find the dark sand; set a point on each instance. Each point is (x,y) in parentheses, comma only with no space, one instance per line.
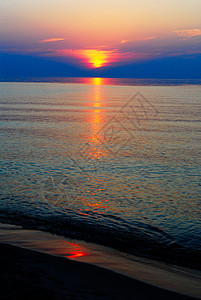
(27,274)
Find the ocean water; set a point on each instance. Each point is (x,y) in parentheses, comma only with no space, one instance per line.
(109,161)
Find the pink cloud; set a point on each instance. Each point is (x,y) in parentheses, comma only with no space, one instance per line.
(52,40)
(148,38)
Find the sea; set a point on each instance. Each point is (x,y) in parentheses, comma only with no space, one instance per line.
(115,162)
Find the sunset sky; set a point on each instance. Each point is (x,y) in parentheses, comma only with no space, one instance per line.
(97,34)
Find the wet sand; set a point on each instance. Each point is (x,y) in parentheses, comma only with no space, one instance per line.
(159,274)
(27,274)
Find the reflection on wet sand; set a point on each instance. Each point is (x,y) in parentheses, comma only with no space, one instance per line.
(156,273)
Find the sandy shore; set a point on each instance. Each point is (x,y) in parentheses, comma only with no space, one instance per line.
(28,274)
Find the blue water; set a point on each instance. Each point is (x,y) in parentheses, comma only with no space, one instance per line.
(106,161)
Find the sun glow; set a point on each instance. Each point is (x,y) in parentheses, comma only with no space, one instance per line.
(96,58)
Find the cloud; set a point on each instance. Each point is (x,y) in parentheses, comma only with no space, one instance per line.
(188,32)
(148,38)
(124,41)
(52,40)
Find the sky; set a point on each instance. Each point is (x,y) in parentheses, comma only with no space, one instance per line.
(101,35)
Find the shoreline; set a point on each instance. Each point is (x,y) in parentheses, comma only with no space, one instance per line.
(156,274)
(27,273)
(137,244)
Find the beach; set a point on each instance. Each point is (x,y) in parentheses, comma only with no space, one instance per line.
(39,263)
(30,274)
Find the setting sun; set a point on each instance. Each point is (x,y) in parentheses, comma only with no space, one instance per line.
(96,58)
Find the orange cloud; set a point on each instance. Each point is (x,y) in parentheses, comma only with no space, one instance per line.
(124,41)
(52,40)
(188,32)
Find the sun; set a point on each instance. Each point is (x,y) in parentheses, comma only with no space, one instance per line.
(97,63)
(93,58)
(96,58)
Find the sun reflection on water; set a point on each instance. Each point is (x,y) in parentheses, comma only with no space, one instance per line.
(96,119)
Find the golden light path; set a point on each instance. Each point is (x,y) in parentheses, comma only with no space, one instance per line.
(96,117)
